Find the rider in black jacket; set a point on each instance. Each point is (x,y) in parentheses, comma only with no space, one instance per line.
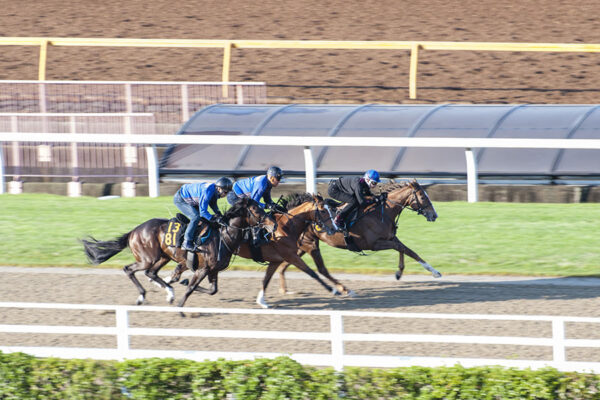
(352,190)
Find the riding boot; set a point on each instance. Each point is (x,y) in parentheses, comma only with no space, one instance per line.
(188,246)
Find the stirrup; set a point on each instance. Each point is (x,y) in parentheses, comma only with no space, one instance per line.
(188,248)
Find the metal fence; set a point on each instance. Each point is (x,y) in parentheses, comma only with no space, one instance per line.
(70,159)
(557,338)
(172,103)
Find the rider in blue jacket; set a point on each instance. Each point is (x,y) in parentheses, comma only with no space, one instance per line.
(193,199)
(257,187)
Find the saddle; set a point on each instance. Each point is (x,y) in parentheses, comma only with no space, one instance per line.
(256,237)
(348,222)
(176,229)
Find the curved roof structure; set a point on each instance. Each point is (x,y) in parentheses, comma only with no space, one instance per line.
(446,120)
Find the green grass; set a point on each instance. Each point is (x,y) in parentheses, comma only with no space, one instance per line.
(480,238)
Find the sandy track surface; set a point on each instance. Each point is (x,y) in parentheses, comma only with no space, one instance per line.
(238,289)
(322,75)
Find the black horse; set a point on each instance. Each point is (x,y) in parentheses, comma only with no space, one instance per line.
(147,244)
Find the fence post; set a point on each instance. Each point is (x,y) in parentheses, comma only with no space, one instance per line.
(472,195)
(337,341)
(122,321)
(185,103)
(239,94)
(153,176)
(15,186)
(311,173)
(2,183)
(74,187)
(226,64)
(558,339)
(414,61)
(43,57)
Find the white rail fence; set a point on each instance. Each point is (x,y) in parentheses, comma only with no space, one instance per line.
(73,160)
(336,336)
(306,143)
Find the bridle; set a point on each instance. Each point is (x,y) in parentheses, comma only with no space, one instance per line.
(420,210)
(259,223)
(319,221)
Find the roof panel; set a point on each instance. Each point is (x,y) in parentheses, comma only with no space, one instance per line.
(373,120)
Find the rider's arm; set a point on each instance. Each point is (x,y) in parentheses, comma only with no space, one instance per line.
(358,193)
(259,189)
(204,203)
(215,207)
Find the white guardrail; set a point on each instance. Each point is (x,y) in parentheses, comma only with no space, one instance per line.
(336,336)
(307,143)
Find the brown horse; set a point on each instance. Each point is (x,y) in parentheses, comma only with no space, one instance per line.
(304,210)
(146,242)
(375,229)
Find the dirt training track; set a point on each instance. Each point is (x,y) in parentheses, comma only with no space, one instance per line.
(237,289)
(322,75)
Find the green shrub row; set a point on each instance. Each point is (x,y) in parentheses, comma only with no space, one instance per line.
(26,377)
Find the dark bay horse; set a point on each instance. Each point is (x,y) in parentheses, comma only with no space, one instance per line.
(304,210)
(146,242)
(376,227)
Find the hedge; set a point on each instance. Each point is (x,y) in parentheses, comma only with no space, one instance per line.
(27,377)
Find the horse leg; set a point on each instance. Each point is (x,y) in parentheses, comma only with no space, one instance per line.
(282,284)
(315,253)
(299,263)
(397,245)
(152,274)
(176,275)
(213,278)
(260,299)
(194,282)
(130,270)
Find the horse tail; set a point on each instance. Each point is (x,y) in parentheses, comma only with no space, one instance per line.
(98,251)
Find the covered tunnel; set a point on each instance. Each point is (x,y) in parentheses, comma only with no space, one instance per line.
(374,120)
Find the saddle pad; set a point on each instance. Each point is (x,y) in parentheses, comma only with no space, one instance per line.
(174,234)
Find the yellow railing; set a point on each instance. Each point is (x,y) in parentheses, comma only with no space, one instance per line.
(228,45)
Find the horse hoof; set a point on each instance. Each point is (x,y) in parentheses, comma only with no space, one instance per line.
(398,275)
(140,300)
(335,292)
(351,293)
(262,303)
(170,296)
(436,274)
(184,282)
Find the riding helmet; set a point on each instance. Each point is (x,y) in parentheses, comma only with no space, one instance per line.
(275,172)
(372,175)
(225,184)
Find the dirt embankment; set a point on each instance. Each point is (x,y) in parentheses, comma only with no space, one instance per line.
(322,75)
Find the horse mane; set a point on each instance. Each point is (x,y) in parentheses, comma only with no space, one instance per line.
(391,186)
(236,209)
(295,199)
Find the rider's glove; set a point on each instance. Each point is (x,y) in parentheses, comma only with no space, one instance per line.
(217,220)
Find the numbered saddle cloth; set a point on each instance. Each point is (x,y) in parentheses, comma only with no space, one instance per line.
(174,235)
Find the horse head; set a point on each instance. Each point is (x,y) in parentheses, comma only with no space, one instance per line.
(413,196)
(247,212)
(419,201)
